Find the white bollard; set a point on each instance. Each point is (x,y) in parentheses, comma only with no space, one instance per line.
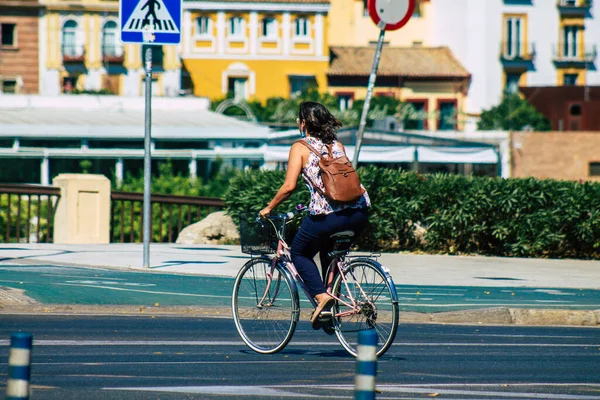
(366,365)
(19,366)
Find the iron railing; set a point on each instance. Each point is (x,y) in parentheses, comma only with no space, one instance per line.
(517,51)
(574,4)
(574,54)
(167,213)
(27,213)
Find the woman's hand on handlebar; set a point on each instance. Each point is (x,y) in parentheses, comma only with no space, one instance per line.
(265,211)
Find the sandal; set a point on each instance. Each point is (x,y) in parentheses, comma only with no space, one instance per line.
(322,306)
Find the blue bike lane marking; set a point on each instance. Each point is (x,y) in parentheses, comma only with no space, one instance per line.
(95,286)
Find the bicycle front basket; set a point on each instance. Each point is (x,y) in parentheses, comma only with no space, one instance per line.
(257,237)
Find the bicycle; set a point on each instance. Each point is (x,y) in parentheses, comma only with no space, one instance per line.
(265,301)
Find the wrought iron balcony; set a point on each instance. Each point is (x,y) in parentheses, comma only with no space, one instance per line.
(575,55)
(517,52)
(571,7)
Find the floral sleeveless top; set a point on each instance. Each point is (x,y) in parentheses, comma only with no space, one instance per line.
(318,203)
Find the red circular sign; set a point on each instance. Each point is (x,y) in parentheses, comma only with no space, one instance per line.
(393,13)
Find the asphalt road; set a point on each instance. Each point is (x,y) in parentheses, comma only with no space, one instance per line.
(145,357)
(50,284)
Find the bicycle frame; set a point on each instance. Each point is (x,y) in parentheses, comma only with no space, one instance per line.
(337,264)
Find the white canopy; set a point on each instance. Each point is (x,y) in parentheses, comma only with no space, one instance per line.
(458,155)
(405,154)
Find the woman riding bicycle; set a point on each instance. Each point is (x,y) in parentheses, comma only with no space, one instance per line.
(317,127)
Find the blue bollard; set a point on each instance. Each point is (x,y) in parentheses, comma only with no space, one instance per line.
(19,366)
(366,365)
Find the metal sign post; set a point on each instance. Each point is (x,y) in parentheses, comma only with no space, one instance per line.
(149,22)
(147,158)
(365,110)
(388,15)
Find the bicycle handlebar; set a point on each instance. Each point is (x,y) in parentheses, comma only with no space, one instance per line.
(300,208)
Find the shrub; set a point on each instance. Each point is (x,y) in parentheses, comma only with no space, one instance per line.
(461,215)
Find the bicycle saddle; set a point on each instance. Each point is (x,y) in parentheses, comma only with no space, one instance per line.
(342,242)
(342,236)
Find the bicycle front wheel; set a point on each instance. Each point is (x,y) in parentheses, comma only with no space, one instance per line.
(367,301)
(265,307)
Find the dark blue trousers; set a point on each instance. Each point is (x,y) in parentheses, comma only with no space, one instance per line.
(314,237)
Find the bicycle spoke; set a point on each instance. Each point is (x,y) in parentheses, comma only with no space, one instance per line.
(369,303)
(264,307)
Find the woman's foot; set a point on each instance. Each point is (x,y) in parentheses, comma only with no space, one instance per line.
(325,303)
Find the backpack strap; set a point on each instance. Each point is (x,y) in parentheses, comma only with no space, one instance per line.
(330,149)
(312,149)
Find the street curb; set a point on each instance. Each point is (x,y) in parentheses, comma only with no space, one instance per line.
(488,316)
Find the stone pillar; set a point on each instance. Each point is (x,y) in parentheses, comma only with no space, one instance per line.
(83,211)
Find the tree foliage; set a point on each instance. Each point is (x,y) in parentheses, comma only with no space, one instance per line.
(281,111)
(168,182)
(513,113)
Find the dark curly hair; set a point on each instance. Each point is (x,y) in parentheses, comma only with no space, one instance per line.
(319,121)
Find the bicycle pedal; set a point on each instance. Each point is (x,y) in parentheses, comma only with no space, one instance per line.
(325,316)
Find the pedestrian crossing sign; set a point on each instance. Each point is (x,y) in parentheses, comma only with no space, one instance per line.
(150,21)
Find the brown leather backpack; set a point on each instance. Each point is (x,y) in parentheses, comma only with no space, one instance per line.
(340,179)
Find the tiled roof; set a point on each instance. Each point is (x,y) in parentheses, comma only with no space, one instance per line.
(417,62)
(266,1)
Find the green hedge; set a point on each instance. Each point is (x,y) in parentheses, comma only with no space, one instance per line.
(457,215)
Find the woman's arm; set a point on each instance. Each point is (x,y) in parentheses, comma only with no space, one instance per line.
(294,169)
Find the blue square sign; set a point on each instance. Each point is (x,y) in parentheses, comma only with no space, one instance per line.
(150,21)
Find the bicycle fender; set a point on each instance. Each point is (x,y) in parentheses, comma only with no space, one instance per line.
(384,270)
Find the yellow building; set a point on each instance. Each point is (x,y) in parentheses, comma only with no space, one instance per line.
(254,49)
(351,25)
(573,56)
(430,79)
(80,48)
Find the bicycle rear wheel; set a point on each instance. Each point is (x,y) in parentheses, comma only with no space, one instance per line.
(367,285)
(265,311)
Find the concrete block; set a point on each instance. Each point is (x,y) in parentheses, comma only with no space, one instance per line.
(555,317)
(494,316)
(83,211)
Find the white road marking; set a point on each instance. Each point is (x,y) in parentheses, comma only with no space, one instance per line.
(110,282)
(5,342)
(222,390)
(477,334)
(537,384)
(147,291)
(79,276)
(441,289)
(309,390)
(96,364)
(508,394)
(432,294)
(481,303)
(415,298)
(554,292)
